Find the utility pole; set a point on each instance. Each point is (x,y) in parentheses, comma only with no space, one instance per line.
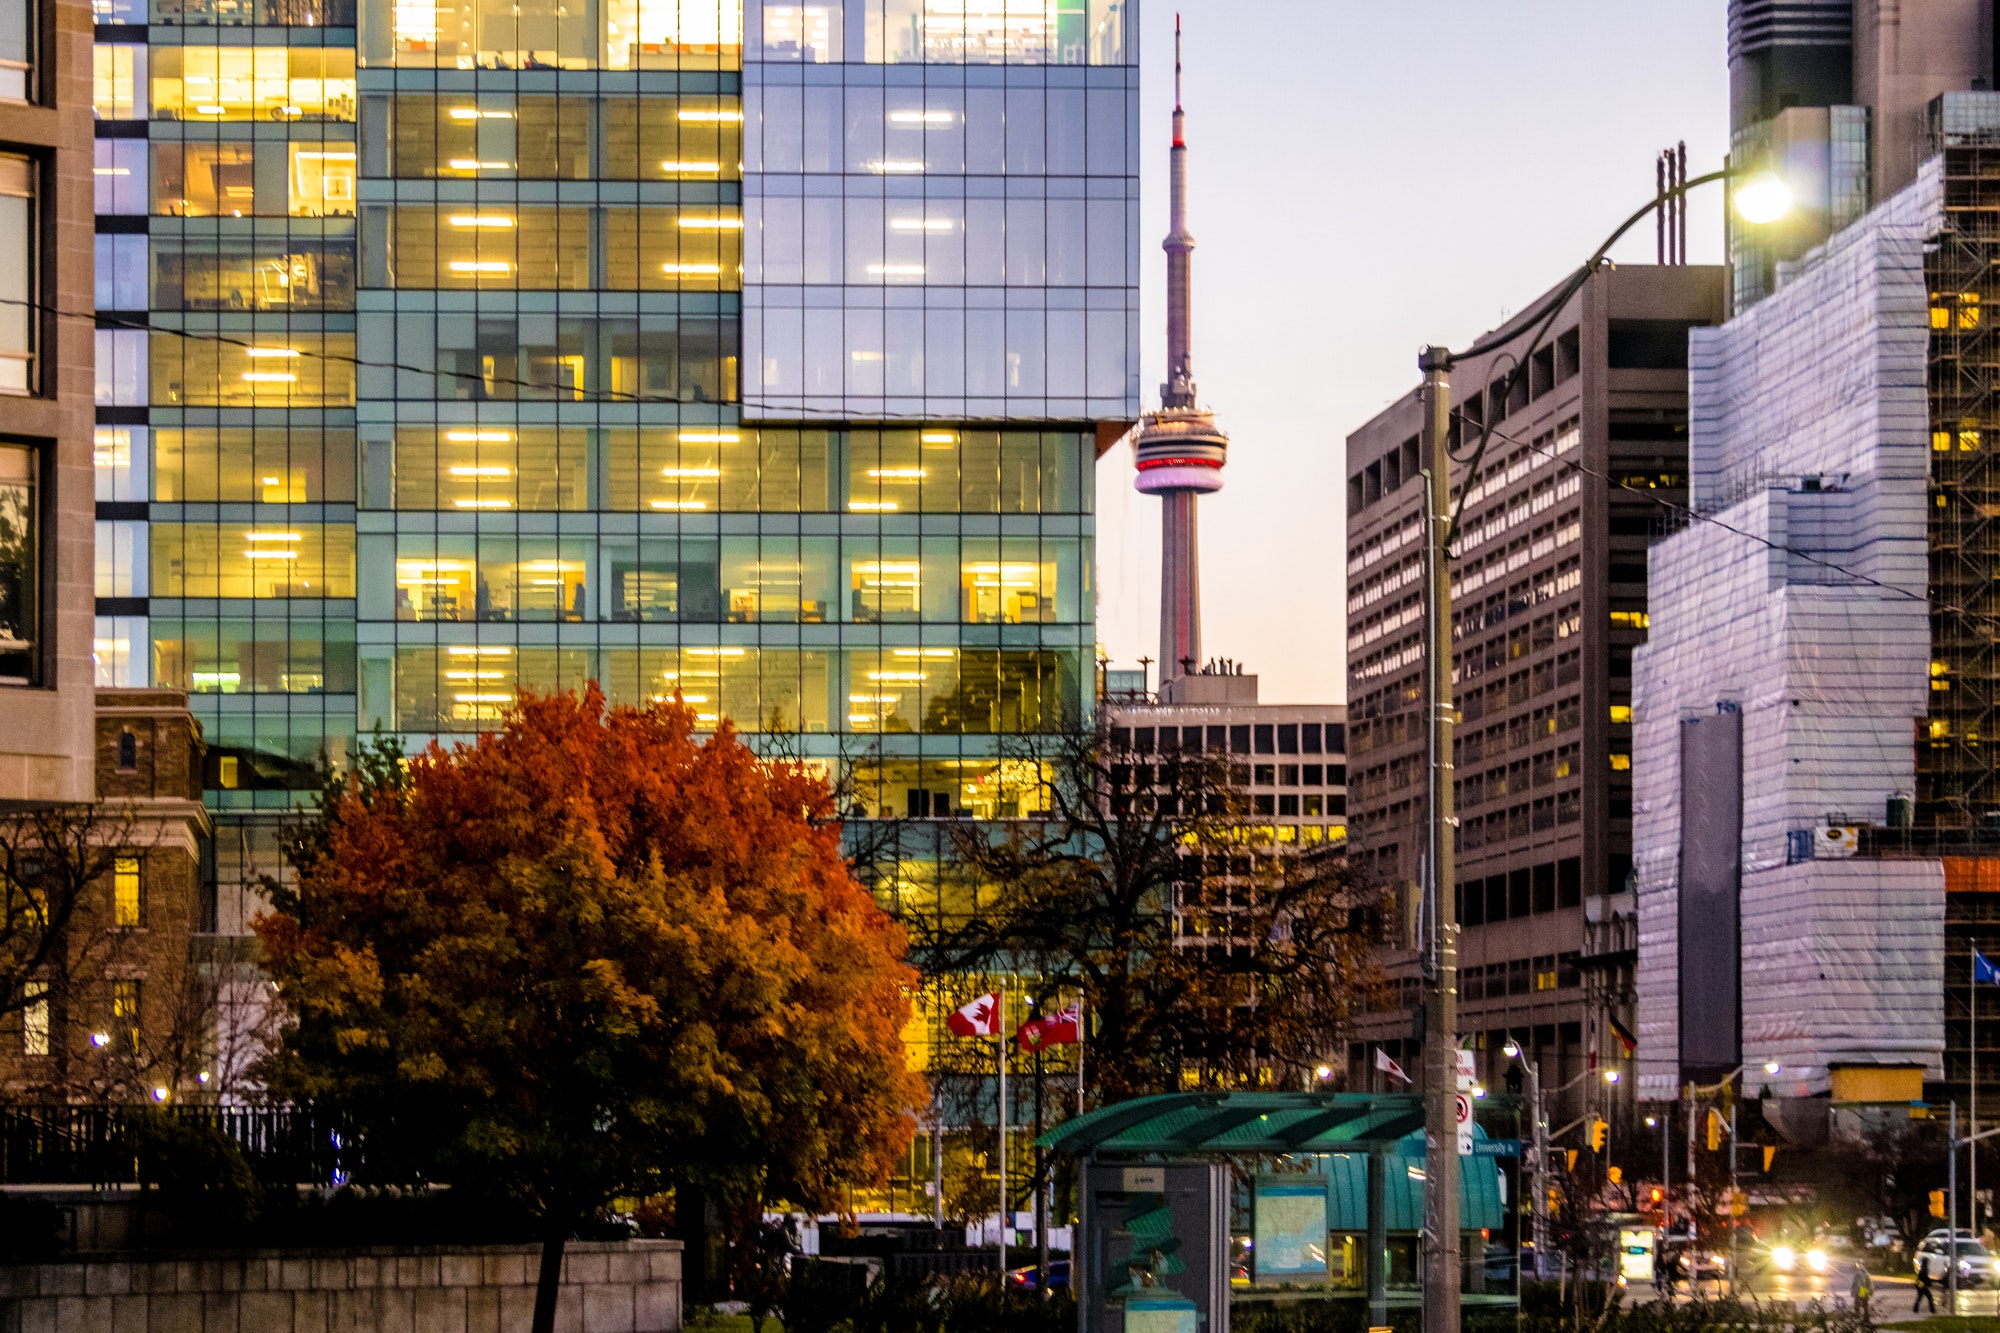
(1951,1224)
(1735,1225)
(1442,1278)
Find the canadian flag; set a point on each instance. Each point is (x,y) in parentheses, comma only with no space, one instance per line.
(981,1018)
(1063,1029)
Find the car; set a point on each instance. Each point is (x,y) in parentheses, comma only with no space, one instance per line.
(1023,1279)
(1975,1265)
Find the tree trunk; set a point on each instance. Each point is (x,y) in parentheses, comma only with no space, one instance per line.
(549,1283)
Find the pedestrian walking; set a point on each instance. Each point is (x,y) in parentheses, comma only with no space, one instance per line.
(1862,1290)
(1925,1277)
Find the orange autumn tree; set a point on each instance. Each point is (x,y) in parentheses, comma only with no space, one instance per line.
(592,956)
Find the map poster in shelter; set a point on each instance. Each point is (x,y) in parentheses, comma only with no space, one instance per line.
(1289,1224)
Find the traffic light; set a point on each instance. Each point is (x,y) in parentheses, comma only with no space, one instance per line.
(1599,1129)
(1937,1203)
(1657,1196)
(1616,1175)
(1572,1159)
(1769,1153)
(1715,1131)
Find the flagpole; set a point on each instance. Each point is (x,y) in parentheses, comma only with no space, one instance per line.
(1079,1052)
(1000,1036)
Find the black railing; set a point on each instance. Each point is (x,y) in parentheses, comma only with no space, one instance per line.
(117,1145)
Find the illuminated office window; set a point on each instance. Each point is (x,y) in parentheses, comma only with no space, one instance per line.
(690,248)
(464,247)
(470,468)
(301,178)
(995,32)
(243,560)
(224,83)
(262,370)
(125,892)
(258,272)
(233,655)
(35,1018)
(673,34)
(670,138)
(118,90)
(267,465)
(125,1015)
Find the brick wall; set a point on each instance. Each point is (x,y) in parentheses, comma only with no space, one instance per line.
(628,1287)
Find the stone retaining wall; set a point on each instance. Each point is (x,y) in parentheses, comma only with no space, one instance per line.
(620,1287)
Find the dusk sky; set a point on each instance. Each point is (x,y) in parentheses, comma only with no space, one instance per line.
(1366,178)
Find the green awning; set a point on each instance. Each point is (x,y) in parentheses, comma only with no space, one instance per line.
(1196,1123)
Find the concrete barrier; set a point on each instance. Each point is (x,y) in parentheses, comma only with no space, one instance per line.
(614,1287)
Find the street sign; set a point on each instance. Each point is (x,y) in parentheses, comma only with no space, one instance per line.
(1464,1122)
(1466,1072)
(1480,1148)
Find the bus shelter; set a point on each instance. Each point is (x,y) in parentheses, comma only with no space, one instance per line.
(1194,1201)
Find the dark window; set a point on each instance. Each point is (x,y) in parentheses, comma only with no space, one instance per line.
(1336,775)
(1472,903)
(1545,888)
(1218,740)
(1288,805)
(1267,775)
(1336,737)
(1191,739)
(1569,883)
(128,752)
(1315,775)
(1647,344)
(1263,804)
(1142,738)
(21,648)
(1239,739)
(1288,775)
(1309,737)
(1336,805)
(1518,894)
(1121,738)
(1266,743)
(1288,738)
(1496,897)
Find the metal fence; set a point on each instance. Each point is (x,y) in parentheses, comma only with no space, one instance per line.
(112,1145)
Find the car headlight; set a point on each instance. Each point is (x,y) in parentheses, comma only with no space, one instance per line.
(1817,1260)
(1783,1257)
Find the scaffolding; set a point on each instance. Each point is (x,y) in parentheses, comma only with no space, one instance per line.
(1958,771)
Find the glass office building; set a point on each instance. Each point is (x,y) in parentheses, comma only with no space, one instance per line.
(760,354)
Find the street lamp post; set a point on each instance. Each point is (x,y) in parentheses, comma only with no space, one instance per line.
(1762,199)
(1539,1120)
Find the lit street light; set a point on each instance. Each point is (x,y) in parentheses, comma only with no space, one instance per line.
(1767,199)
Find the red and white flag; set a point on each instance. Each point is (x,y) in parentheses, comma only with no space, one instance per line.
(1388,1066)
(1063,1029)
(981,1018)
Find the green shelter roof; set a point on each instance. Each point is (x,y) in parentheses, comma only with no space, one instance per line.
(1192,1123)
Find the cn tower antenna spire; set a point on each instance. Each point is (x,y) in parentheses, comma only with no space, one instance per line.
(1177,62)
(1178,450)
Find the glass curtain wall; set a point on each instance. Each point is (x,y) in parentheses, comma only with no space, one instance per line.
(755,355)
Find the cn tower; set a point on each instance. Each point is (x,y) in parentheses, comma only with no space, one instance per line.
(1178,449)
